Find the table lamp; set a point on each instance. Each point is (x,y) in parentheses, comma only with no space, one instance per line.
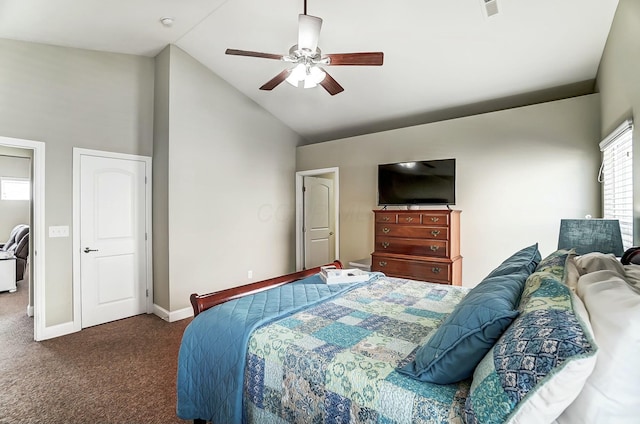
(591,235)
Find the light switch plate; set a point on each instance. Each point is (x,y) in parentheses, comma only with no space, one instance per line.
(59,231)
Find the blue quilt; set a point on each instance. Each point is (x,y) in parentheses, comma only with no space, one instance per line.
(214,346)
(336,362)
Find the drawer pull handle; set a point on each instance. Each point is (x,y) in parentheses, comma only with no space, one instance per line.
(434,248)
(385,244)
(386,230)
(409,218)
(435,270)
(435,219)
(385,218)
(382,263)
(435,233)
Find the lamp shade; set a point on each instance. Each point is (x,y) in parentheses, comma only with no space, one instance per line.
(591,235)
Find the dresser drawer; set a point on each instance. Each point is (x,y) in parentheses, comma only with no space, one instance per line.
(417,231)
(412,246)
(418,270)
(386,217)
(409,218)
(435,219)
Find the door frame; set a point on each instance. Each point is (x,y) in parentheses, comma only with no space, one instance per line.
(36,233)
(300,211)
(77,298)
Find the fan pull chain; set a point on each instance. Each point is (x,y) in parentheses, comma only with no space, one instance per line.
(305,7)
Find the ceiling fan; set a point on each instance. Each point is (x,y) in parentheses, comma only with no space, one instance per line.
(307,58)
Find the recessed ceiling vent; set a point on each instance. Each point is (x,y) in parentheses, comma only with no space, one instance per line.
(490,7)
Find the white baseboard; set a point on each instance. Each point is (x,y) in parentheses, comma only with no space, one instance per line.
(174,315)
(30,310)
(69,327)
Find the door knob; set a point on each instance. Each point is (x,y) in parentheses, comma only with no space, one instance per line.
(87,250)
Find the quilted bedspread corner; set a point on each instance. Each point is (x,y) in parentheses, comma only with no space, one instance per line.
(213,351)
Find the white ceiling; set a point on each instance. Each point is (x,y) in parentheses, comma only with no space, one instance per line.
(440,55)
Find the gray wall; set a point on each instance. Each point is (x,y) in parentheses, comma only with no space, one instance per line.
(229,184)
(230,176)
(619,85)
(519,171)
(161,181)
(70,98)
(14,163)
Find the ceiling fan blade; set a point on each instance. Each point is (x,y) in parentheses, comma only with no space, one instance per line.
(275,81)
(308,32)
(331,85)
(253,54)
(365,58)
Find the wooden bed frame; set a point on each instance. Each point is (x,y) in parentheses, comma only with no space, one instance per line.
(202,302)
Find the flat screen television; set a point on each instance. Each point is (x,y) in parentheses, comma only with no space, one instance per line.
(429,182)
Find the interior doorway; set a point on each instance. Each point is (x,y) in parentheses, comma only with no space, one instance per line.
(317,217)
(35,272)
(15,222)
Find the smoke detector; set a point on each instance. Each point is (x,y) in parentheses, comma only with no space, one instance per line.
(166,21)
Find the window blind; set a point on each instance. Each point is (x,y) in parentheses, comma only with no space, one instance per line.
(616,176)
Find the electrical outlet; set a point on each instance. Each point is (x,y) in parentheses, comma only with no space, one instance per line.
(249,274)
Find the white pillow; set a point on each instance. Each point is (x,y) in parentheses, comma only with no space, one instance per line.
(572,273)
(611,392)
(632,275)
(597,261)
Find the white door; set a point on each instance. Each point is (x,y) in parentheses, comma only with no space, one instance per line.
(319,218)
(113,279)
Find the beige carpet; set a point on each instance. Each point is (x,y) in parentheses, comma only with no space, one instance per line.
(121,372)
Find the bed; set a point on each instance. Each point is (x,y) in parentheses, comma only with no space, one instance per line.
(533,342)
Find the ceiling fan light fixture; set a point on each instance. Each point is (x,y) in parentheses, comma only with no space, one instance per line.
(309,83)
(297,74)
(310,76)
(316,74)
(292,81)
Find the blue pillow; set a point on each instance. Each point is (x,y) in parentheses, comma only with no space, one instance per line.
(469,332)
(527,258)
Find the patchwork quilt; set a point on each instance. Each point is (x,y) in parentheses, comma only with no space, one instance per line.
(335,362)
(214,345)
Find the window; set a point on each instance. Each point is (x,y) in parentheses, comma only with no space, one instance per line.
(15,188)
(616,176)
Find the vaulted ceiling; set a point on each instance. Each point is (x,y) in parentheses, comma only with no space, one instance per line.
(442,58)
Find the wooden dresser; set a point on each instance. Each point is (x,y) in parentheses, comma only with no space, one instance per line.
(418,244)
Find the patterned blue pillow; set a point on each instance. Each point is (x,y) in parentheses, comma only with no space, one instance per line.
(527,259)
(551,268)
(468,333)
(543,359)
(555,262)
